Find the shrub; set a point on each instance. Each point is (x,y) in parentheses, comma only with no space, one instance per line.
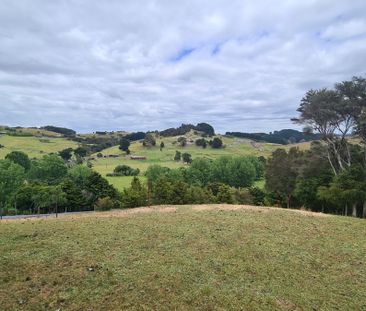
(216,143)
(243,196)
(182,141)
(225,194)
(149,141)
(186,158)
(124,170)
(177,156)
(201,142)
(104,204)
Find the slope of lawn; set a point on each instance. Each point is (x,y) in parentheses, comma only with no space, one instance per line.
(184,258)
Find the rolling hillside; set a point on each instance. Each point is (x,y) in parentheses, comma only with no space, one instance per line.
(37,146)
(34,146)
(207,257)
(233,147)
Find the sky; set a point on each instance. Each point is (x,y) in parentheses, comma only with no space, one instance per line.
(152,64)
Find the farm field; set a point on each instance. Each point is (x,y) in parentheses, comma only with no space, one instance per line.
(205,257)
(35,147)
(233,147)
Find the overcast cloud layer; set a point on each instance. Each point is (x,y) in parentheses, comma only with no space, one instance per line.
(144,65)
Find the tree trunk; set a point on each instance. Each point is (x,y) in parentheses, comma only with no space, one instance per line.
(288,201)
(354,210)
(364,210)
(331,164)
(346,210)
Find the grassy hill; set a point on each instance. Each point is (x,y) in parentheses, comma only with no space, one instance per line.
(35,147)
(233,147)
(184,258)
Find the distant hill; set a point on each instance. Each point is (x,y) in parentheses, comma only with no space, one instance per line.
(185,128)
(61,130)
(283,137)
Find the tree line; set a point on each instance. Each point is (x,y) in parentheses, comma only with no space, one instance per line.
(52,184)
(331,176)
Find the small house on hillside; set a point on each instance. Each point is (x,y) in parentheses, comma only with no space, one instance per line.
(137,157)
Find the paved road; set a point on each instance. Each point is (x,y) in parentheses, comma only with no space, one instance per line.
(46,215)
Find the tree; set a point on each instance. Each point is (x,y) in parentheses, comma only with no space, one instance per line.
(206,128)
(11,178)
(216,143)
(124,144)
(66,154)
(201,142)
(81,152)
(187,158)
(149,140)
(177,156)
(182,141)
(281,173)
(125,170)
(80,174)
(153,172)
(51,169)
(20,158)
(347,189)
(136,195)
(162,146)
(99,187)
(332,113)
(48,196)
(75,198)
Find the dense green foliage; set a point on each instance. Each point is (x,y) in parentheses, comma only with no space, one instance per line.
(331,176)
(124,170)
(283,137)
(124,144)
(20,158)
(60,130)
(205,128)
(49,186)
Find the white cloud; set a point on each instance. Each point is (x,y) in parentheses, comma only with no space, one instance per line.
(139,65)
(345,29)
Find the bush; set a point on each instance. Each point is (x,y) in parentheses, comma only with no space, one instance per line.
(182,141)
(177,156)
(124,170)
(225,194)
(104,204)
(216,143)
(136,195)
(243,196)
(186,157)
(201,142)
(258,196)
(149,141)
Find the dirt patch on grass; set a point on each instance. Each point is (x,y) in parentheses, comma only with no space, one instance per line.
(231,207)
(168,209)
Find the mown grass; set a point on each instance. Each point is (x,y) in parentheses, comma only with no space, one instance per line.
(185,259)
